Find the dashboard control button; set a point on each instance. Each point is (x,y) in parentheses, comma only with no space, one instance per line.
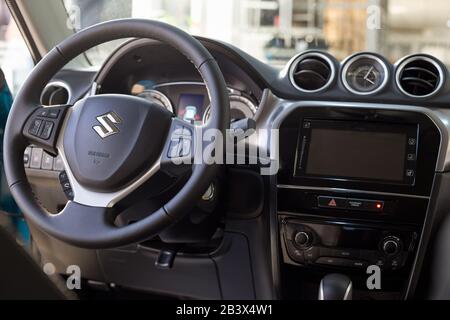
(366,205)
(357,264)
(341,262)
(311,254)
(47,130)
(391,246)
(303,239)
(354,204)
(332,261)
(36,158)
(346,253)
(295,254)
(332,202)
(35,127)
(381,263)
(396,263)
(410,173)
(327,261)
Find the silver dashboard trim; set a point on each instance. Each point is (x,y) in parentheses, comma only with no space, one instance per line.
(298,58)
(292,187)
(405,61)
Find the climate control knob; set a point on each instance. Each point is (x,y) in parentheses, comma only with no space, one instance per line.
(303,239)
(391,246)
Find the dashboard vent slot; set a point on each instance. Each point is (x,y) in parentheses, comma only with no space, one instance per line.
(55,94)
(312,72)
(420,77)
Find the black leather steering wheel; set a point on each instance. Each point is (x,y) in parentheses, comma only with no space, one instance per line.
(112,144)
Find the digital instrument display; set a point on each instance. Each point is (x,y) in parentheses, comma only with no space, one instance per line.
(358,151)
(190,107)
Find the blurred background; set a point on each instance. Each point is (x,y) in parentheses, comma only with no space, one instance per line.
(275,30)
(271,30)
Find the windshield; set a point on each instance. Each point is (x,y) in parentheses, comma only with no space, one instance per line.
(275,30)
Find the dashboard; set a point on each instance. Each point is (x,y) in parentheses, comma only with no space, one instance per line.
(189,100)
(173,83)
(363,157)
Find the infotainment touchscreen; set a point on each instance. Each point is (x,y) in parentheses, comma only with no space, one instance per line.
(362,151)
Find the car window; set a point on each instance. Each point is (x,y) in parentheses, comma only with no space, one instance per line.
(15,59)
(15,64)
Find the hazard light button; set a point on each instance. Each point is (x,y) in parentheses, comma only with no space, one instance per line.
(332,202)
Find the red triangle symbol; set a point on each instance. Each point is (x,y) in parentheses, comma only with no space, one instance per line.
(332,203)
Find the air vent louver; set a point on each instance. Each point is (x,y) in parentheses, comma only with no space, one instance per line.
(311,72)
(419,77)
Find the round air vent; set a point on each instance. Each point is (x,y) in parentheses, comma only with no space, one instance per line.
(312,72)
(419,76)
(55,93)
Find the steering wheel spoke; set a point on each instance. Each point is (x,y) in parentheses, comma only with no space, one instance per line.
(44,125)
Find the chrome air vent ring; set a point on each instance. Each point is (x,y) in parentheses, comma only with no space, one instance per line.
(316,65)
(420,70)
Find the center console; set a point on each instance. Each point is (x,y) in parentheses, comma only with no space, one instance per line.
(353,191)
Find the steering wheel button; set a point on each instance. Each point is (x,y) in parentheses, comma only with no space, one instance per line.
(58,164)
(185,147)
(47,130)
(63,177)
(174,149)
(53,113)
(43,113)
(181,132)
(66,185)
(36,158)
(35,127)
(47,162)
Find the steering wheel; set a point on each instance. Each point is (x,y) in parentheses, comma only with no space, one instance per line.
(112,144)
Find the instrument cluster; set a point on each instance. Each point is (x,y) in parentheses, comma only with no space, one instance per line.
(189,101)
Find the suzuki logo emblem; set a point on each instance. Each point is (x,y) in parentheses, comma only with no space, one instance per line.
(108,124)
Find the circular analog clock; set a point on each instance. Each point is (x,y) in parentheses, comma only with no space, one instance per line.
(365,74)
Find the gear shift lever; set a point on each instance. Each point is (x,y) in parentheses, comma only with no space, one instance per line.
(335,287)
